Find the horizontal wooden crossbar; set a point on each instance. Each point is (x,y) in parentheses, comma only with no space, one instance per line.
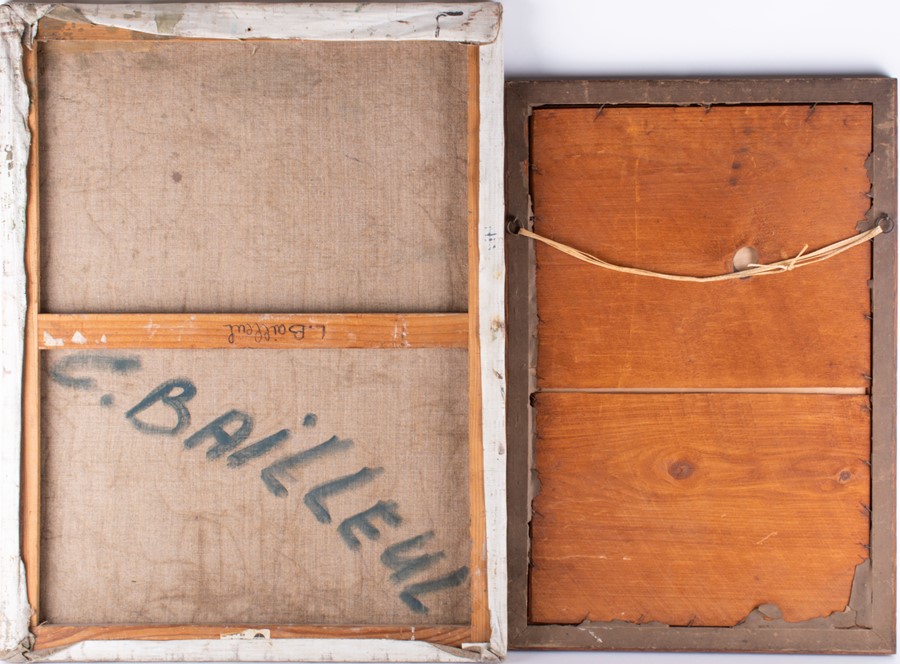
(57,636)
(94,331)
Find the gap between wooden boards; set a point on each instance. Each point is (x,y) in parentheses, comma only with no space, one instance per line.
(707,390)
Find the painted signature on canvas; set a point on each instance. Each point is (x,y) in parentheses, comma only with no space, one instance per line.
(230,439)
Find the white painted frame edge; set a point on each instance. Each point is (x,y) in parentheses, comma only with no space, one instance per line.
(473,22)
(492,330)
(15,141)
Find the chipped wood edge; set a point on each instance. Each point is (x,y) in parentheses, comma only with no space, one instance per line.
(479,23)
(472,23)
(15,141)
(524,96)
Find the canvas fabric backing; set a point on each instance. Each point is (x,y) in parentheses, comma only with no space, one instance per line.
(138,528)
(253,176)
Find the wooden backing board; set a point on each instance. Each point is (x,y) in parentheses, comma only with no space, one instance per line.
(684,189)
(656,402)
(426,324)
(696,509)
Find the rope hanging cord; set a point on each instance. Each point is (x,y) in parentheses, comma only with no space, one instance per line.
(883,224)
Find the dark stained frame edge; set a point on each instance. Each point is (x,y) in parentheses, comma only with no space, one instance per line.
(521,98)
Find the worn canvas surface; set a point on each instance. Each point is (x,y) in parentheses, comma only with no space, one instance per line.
(148,520)
(314,176)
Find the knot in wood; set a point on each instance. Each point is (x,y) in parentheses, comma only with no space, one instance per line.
(681,469)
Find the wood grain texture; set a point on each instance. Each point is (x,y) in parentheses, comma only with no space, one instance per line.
(252,331)
(695,509)
(57,636)
(680,190)
(54,29)
(31,409)
(523,99)
(481,617)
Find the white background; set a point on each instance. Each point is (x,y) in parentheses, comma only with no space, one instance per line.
(650,38)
